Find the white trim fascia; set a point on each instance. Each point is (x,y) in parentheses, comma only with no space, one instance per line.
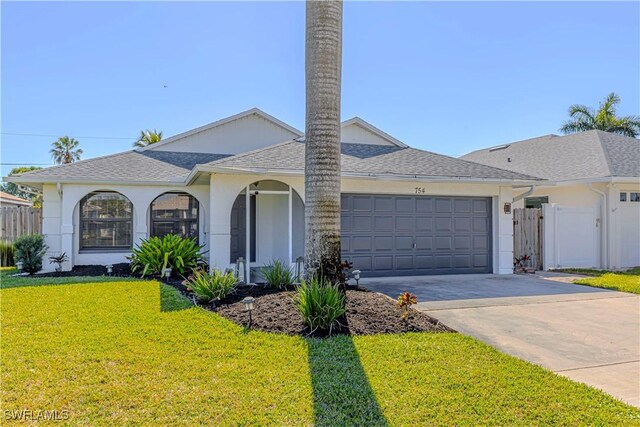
(353,175)
(583,181)
(371,128)
(221,122)
(18,180)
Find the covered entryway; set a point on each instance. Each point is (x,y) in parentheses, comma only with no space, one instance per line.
(271,228)
(386,235)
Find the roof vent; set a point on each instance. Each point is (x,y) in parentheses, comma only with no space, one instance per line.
(499,147)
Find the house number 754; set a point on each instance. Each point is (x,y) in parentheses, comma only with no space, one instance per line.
(420,190)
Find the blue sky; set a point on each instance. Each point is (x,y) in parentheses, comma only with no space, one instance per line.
(446,77)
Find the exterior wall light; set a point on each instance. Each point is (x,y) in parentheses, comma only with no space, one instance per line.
(248,305)
(109,269)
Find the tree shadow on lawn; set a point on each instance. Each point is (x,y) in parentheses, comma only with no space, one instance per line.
(171,299)
(342,395)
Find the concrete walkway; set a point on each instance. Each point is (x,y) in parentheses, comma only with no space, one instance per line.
(588,334)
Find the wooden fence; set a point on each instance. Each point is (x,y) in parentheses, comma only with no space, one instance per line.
(527,235)
(18,221)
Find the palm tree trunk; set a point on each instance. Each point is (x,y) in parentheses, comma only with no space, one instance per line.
(322,135)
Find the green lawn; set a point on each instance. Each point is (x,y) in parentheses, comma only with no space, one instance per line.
(624,281)
(136,352)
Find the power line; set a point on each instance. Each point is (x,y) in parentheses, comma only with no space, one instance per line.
(58,136)
(23,164)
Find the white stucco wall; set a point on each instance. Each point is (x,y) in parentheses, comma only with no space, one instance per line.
(61,219)
(613,232)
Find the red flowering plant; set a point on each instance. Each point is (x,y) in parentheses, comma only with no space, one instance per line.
(405,301)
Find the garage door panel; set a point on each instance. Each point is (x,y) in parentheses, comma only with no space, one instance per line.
(401,235)
(404,243)
(383,262)
(444,224)
(424,223)
(424,243)
(462,261)
(462,225)
(383,223)
(362,263)
(362,204)
(404,262)
(480,206)
(362,243)
(405,205)
(480,225)
(383,204)
(405,223)
(443,243)
(362,223)
(462,205)
(383,243)
(424,205)
(462,243)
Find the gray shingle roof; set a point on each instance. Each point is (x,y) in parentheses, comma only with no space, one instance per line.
(130,166)
(592,154)
(370,159)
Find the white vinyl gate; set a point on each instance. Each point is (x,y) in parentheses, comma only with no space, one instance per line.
(571,237)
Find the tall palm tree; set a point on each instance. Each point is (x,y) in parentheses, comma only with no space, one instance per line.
(585,118)
(147,137)
(65,150)
(323,63)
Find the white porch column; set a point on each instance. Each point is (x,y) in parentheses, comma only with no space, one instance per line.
(291,260)
(247,235)
(66,229)
(505,233)
(221,198)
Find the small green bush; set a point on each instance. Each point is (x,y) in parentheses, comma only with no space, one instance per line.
(210,287)
(278,275)
(6,254)
(321,304)
(30,250)
(153,255)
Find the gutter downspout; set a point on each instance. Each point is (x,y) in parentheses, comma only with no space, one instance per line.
(604,224)
(523,195)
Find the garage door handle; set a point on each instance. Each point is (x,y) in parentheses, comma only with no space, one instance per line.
(415,245)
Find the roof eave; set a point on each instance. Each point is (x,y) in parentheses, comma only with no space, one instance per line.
(361,175)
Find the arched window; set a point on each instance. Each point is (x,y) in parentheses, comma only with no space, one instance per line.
(175,213)
(106,221)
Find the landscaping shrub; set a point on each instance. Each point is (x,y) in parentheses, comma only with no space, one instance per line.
(153,255)
(208,287)
(6,254)
(30,250)
(278,275)
(321,304)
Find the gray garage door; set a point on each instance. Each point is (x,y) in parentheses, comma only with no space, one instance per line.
(407,235)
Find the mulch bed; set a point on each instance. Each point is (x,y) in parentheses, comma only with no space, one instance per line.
(119,270)
(366,313)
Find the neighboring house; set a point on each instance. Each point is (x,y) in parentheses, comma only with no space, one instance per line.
(591,203)
(238,186)
(9,200)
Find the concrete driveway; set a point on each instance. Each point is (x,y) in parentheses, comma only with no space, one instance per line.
(588,334)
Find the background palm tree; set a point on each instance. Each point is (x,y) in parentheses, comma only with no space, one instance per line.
(585,118)
(148,137)
(65,150)
(323,68)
